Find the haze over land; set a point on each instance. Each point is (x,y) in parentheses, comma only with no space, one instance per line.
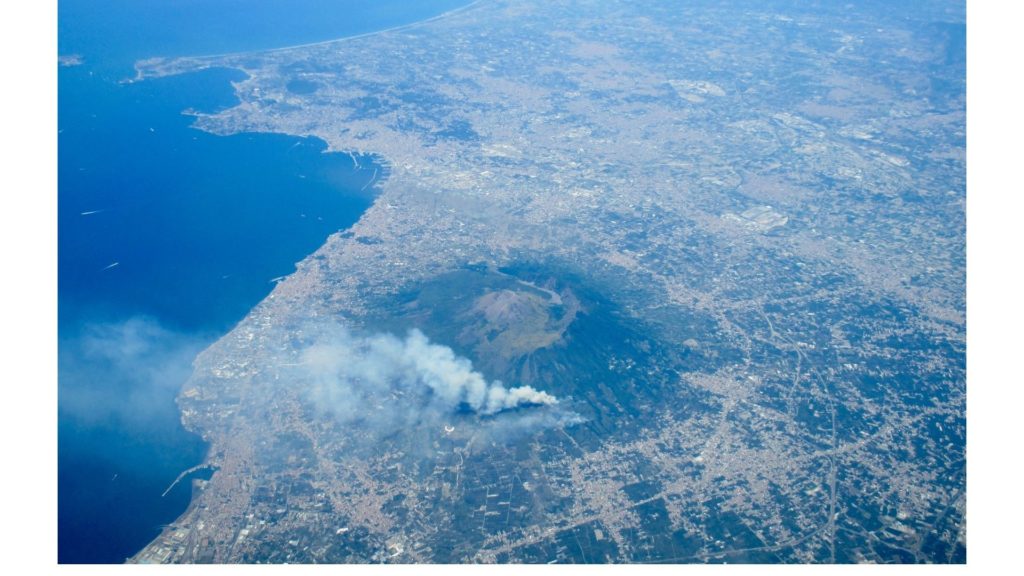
(729,241)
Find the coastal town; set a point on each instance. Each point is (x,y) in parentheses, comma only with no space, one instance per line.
(728,243)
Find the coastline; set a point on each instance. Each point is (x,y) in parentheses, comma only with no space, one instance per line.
(383,253)
(175,533)
(141,75)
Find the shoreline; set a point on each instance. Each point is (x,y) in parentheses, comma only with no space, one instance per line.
(140,75)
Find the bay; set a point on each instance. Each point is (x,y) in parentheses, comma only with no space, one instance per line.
(167,236)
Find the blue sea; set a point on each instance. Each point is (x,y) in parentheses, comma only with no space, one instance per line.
(167,236)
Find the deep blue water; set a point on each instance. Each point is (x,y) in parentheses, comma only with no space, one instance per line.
(167,236)
(197,224)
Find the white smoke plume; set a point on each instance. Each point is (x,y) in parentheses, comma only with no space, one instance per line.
(453,378)
(383,385)
(365,368)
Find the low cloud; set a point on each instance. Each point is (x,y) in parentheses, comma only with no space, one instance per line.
(124,374)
